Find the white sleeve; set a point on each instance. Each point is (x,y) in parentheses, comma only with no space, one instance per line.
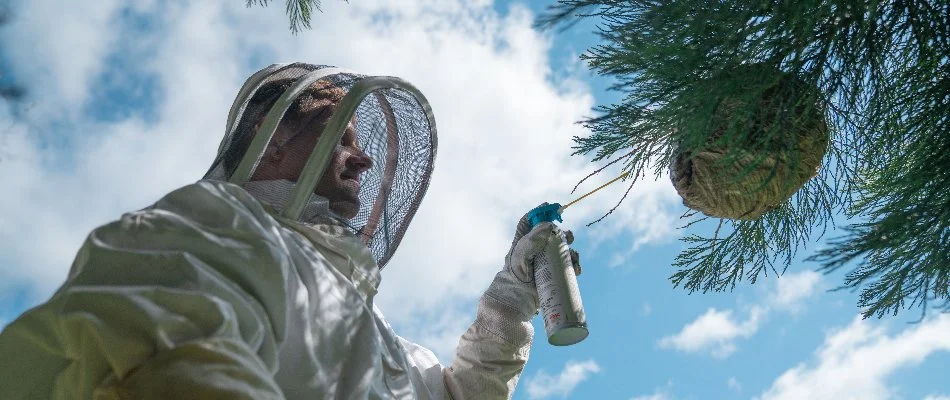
(490,355)
(184,300)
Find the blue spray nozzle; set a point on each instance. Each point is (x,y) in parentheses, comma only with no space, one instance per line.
(548,213)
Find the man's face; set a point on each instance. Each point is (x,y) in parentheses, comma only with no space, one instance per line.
(340,182)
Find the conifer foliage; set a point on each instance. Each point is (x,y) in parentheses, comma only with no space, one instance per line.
(707,77)
(298,11)
(882,73)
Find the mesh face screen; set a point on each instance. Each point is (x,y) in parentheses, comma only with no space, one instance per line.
(393,127)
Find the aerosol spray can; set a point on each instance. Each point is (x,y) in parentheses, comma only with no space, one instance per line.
(558,295)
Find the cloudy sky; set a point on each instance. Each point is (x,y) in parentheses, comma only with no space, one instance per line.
(127,100)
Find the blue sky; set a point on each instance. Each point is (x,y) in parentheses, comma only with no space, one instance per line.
(128,101)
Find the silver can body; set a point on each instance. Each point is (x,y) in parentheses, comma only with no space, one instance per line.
(558,295)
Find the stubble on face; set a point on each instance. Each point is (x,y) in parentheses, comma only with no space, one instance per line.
(296,138)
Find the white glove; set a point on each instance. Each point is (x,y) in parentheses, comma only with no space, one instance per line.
(520,258)
(514,286)
(493,351)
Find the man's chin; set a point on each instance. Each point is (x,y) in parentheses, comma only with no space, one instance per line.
(345,208)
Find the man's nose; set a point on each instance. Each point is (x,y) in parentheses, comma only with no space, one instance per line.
(358,160)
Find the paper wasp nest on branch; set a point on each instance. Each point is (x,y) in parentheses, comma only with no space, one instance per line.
(764,139)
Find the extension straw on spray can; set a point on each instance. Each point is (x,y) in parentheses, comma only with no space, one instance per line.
(558,295)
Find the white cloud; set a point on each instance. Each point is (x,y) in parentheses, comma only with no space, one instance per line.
(49,34)
(658,394)
(616,260)
(937,397)
(794,289)
(505,126)
(646,310)
(654,220)
(542,385)
(715,331)
(654,396)
(439,329)
(854,362)
(734,385)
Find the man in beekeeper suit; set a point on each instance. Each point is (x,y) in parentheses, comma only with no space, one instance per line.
(214,293)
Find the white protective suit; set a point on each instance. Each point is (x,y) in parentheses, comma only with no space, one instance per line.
(211,294)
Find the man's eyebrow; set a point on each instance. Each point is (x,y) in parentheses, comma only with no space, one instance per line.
(325,110)
(320,115)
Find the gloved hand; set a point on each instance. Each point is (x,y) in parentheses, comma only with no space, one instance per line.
(514,285)
(493,351)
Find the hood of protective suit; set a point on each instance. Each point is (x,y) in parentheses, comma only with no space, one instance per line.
(394,126)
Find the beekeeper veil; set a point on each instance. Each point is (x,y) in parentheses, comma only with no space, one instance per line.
(394,127)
